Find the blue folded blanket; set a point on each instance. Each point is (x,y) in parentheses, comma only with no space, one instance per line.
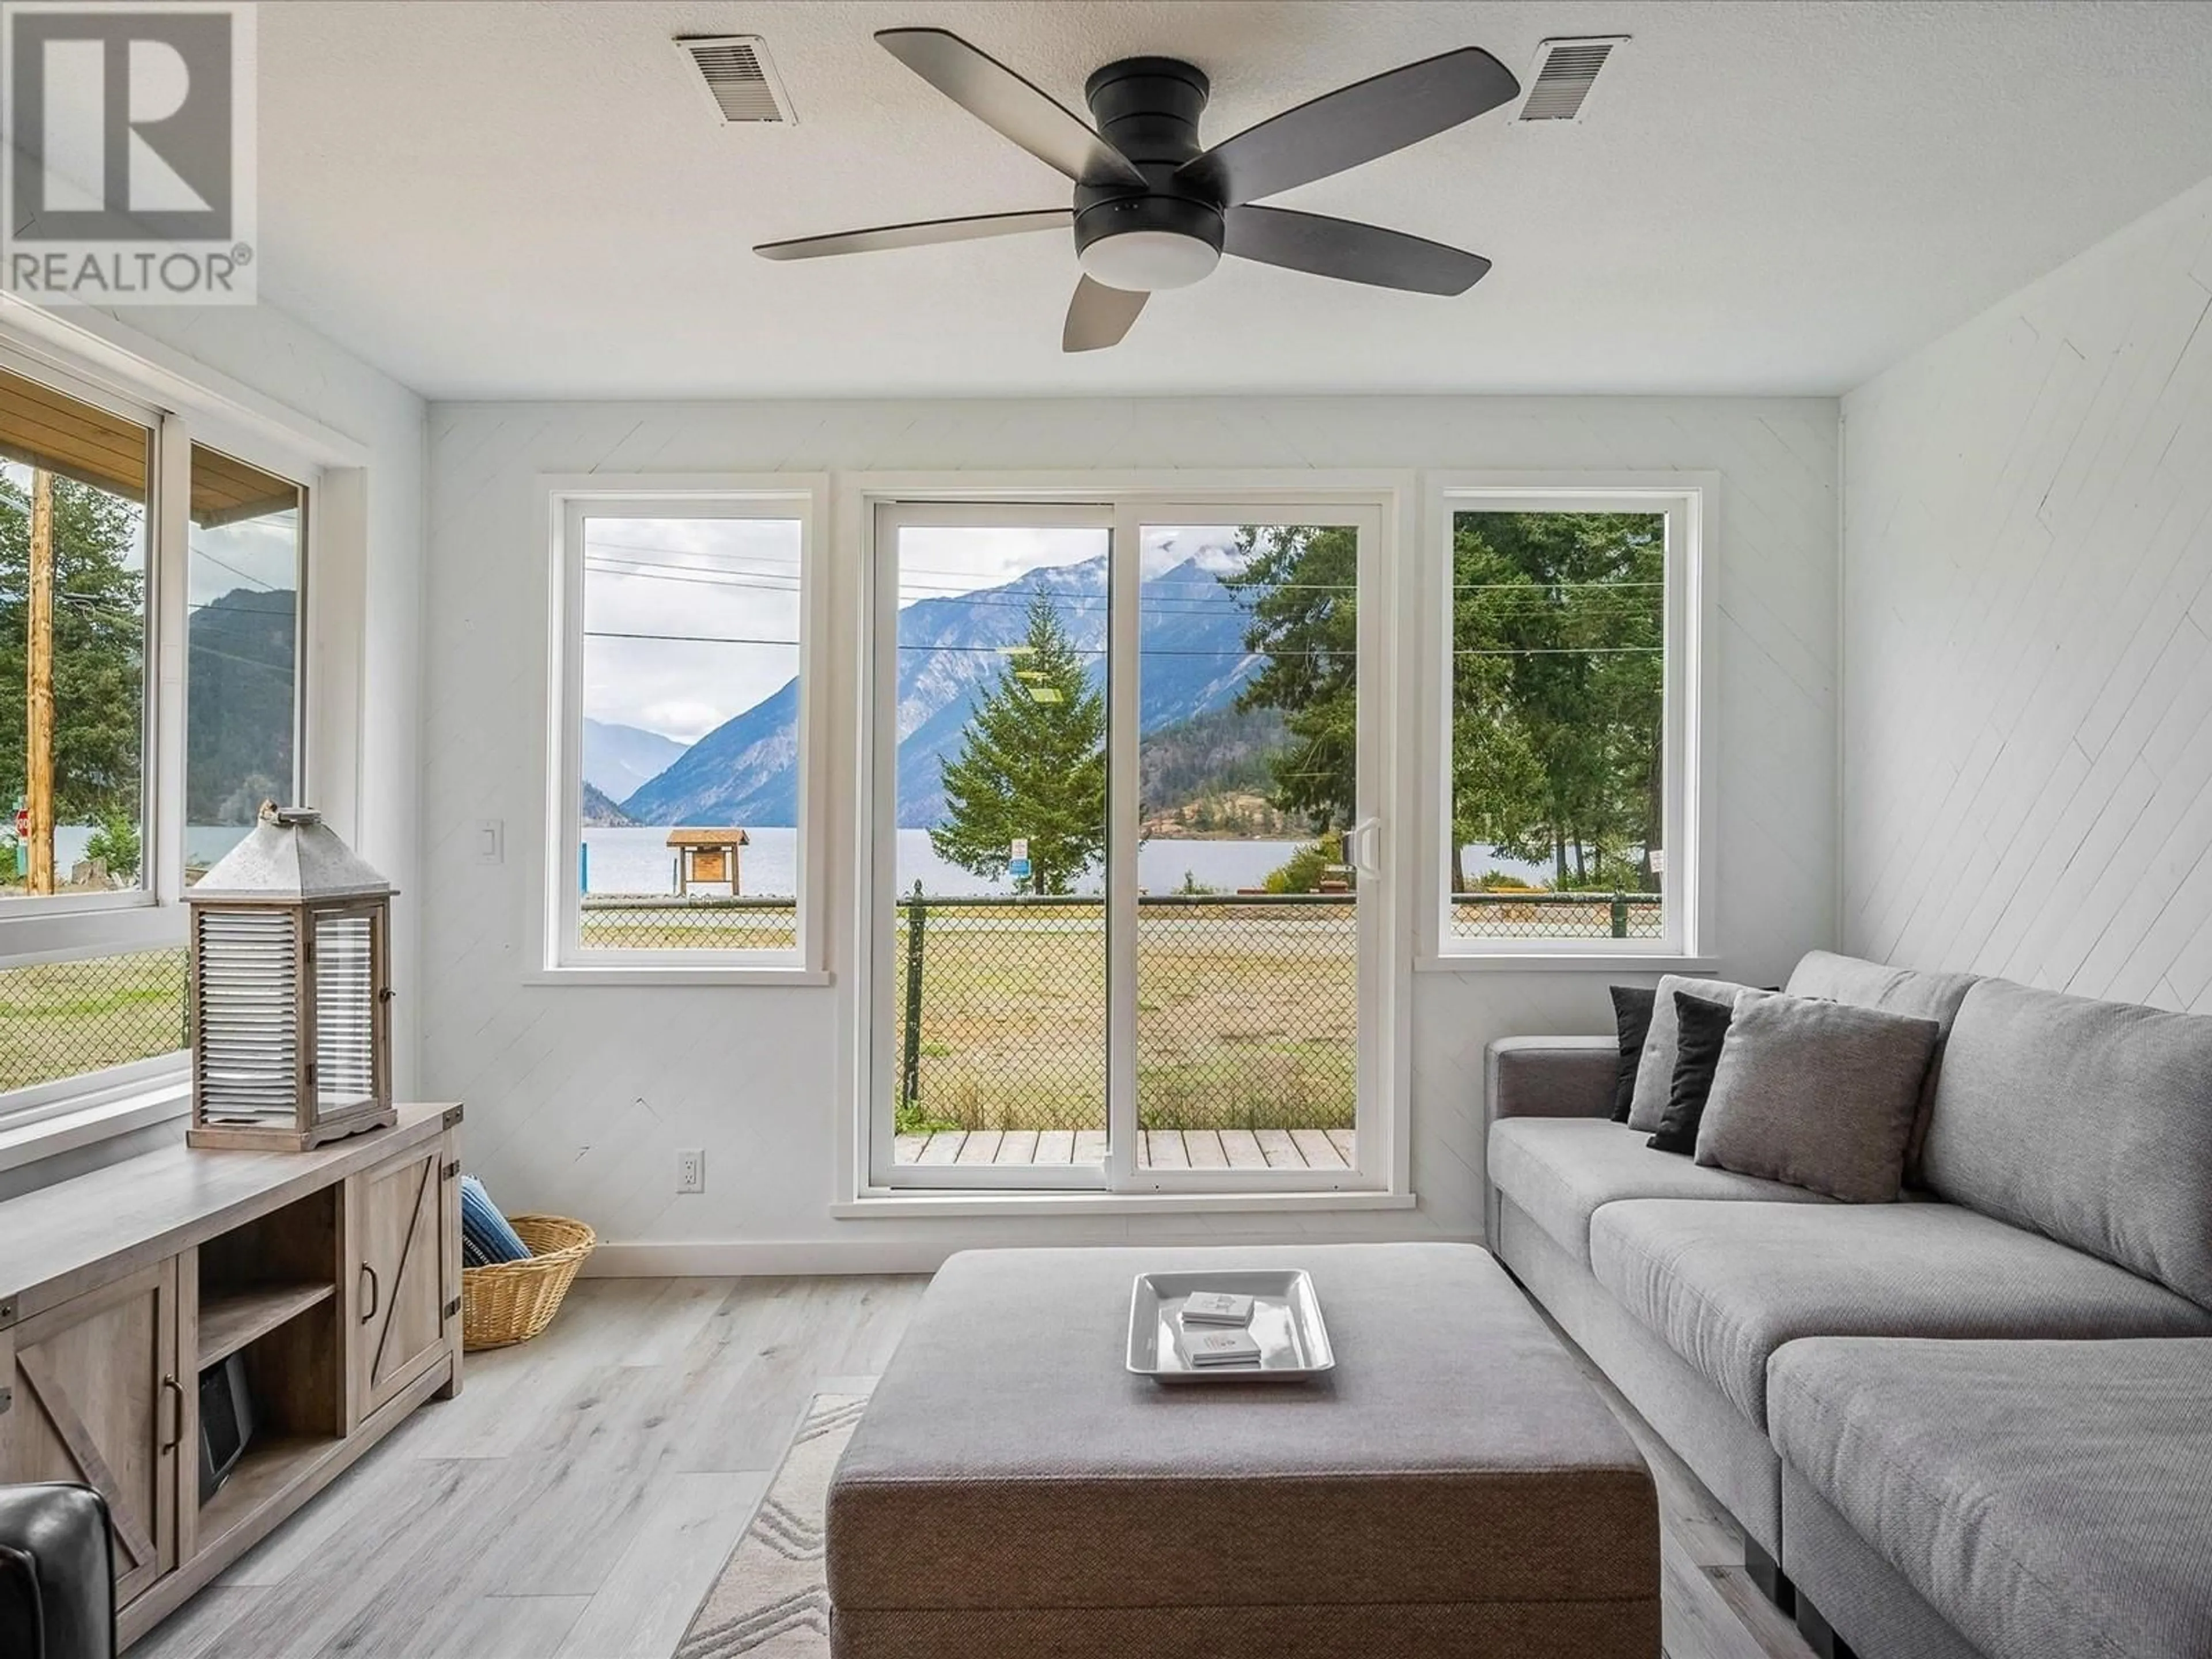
(486,1238)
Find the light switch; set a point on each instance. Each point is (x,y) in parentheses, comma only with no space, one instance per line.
(491,840)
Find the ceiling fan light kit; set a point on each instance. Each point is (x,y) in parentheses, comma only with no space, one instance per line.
(1153,209)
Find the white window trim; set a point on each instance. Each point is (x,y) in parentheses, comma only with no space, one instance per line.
(106,364)
(1385,1179)
(1691,501)
(555,957)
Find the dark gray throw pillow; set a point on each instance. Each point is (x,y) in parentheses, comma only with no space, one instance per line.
(1820,1095)
(1631,1018)
(1655,1071)
(1702,1028)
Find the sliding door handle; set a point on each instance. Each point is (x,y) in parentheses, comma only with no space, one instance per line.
(1362,848)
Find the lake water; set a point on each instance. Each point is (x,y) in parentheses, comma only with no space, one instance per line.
(638,860)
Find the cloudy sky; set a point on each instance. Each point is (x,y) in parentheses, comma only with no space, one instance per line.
(689,621)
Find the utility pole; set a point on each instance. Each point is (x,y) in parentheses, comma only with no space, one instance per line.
(38,735)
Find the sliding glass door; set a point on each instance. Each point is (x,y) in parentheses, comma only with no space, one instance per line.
(1126,896)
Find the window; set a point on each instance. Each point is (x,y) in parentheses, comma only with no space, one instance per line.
(680,814)
(1129,906)
(1568,801)
(74,609)
(94,858)
(248,545)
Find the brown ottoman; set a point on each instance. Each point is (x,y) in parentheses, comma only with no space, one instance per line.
(1453,1487)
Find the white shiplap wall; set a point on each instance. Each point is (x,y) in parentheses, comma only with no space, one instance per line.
(2027,735)
(578,1097)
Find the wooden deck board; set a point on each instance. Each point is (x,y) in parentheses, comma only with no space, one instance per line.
(1090,1146)
(1019,1147)
(1320,1150)
(944,1147)
(1346,1143)
(1163,1150)
(1243,1148)
(1201,1150)
(1279,1149)
(981,1147)
(1056,1146)
(907,1149)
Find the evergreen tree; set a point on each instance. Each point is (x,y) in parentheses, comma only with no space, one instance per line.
(1301,584)
(1031,765)
(1557,683)
(99,648)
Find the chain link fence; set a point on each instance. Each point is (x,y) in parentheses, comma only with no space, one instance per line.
(1247,1012)
(62,1019)
(623,923)
(1557,915)
(1000,1011)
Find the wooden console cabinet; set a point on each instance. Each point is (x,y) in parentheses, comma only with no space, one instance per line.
(337,1275)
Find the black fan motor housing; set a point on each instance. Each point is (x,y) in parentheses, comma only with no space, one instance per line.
(1148,109)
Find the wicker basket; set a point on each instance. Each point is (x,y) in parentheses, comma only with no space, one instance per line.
(514,1301)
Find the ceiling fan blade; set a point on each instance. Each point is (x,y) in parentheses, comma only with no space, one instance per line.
(1098,316)
(1353,124)
(921,233)
(1349,251)
(1010,106)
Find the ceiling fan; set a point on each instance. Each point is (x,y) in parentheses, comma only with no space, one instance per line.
(1153,209)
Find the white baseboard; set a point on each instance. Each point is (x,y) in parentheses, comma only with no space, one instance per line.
(743,1259)
(803,1258)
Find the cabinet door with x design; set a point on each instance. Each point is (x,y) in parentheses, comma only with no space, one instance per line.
(402,1302)
(93,1399)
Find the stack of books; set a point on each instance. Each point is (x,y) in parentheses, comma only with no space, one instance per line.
(1213,1333)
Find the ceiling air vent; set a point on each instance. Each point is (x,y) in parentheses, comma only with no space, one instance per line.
(1565,71)
(739,78)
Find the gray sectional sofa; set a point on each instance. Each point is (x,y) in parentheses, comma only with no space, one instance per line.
(1972,1424)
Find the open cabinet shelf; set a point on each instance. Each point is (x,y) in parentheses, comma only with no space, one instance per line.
(231,1320)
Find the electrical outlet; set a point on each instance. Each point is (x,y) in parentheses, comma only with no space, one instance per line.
(691,1169)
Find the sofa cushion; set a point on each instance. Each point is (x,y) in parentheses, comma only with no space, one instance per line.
(1655,1071)
(1726,1285)
(1701,1028)
(1632,1019)
(2090,1121)
(1819,1094)
(1558,1171)
(1922,994)
(2046,1498)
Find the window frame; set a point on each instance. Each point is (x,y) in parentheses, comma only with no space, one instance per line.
(81,928)
(557,956)
(1688,501)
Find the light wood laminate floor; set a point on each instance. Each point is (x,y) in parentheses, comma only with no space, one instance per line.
(583,1492)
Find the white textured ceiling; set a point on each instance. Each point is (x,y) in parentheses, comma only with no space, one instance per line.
(531,200)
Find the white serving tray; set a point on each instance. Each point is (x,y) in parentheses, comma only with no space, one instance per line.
(1287,1323)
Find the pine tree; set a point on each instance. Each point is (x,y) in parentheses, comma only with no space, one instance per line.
(99,634)
(1031,765)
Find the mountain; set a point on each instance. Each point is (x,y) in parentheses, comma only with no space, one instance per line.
(600,813)
(238,721)
(1209,774)
(619,759)
(1191,634)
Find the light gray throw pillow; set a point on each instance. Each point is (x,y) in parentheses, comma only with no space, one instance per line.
(1820,1095)
(1655,1071)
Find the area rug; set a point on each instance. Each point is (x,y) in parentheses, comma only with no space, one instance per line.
(772,1599)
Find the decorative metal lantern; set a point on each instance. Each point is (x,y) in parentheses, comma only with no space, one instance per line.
(290,991)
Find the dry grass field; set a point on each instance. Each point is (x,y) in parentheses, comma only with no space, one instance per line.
(64,1018)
